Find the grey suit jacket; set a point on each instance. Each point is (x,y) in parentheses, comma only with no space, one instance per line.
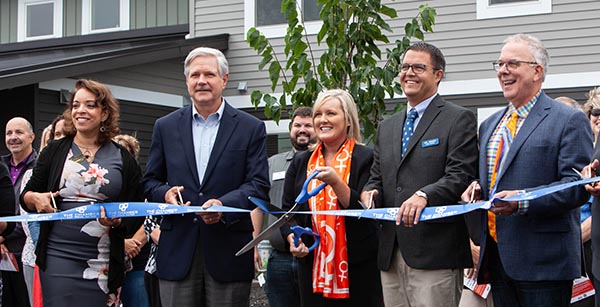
(441,160)
(544,243)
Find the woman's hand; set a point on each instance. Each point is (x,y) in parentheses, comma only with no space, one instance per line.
(301,251)
(40,202)
(132,247)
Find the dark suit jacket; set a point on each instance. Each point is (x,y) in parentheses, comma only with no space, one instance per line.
(237,168)
(544,243)
(361,234)
(442,171)
(596,225)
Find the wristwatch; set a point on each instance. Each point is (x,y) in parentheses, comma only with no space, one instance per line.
(421,194)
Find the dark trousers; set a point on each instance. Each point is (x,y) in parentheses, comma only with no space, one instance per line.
(508,292)
(282,280)
(151,284)
(14,289)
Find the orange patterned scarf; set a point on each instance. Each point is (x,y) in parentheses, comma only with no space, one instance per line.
(330,267)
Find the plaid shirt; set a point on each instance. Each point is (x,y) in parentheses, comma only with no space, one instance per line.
(494,142)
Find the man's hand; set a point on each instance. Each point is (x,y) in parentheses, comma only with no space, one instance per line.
(172,196)
(472,193)
(410,210)
(368,198)
(588,172)
(505,207)
(211,217)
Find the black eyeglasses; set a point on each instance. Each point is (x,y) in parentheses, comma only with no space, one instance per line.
(417,68)
(511,64)
(595,112)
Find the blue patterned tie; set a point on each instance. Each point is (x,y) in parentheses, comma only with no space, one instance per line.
(408,129)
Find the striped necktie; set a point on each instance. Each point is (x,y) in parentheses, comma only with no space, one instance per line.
(507,133)
(408,129)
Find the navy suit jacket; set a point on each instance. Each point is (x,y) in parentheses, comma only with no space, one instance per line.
(544,243)
(237,168)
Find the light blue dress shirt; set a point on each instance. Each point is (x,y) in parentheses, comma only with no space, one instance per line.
(204,133)
(421,107)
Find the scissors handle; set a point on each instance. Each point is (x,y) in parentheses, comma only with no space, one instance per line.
(305,194)
(299,231)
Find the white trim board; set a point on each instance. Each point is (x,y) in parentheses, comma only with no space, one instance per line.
(123,93)
(475,86)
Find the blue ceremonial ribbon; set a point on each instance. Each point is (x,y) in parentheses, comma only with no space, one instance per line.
(139,209)
(117,210)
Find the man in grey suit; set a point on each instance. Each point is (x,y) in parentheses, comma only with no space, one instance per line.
(530,250)
(422,263)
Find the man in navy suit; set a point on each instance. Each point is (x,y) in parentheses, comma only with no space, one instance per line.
(213,155)
(532,252)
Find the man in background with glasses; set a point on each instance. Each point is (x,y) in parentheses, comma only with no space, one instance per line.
(424,156)
(530,250)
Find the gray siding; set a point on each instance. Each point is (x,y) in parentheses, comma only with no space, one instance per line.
(570,33)
(8,21)
(156,13)
(143,14)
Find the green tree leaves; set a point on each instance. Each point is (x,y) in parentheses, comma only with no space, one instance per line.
(353,31)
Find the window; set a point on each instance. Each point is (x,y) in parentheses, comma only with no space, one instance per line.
(266,15)
(39,19)
(507,8)
(104,16)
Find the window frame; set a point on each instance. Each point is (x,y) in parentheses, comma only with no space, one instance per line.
(86,18)
(274,31)
(487,11)
(23,22)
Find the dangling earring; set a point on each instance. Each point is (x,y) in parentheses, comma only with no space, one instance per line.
(102,128)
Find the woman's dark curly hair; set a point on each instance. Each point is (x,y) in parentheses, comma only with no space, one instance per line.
(106,100)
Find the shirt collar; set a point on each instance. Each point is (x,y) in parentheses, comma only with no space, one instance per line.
(12,163)
(524,110)
(216,117)
(422,106)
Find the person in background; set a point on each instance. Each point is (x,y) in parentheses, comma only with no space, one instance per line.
(591,108)
(46,136)
(152,230)
(212,154)
(530,250)
(82,261)
(342,270)
(282,268)
(54,131)
(19,141)
(585,219)
(137,251)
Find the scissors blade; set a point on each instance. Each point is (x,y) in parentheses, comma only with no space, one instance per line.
(271,229)
(265,206)
(578,173)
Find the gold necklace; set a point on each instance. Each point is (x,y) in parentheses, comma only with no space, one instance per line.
(88,152)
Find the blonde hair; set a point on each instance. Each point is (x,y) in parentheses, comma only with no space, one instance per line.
(129,142)
(593,101)
(349,108)
(46,137)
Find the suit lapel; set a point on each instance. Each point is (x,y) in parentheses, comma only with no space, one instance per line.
(485,134)
(187,139)
(226,127)
(537,114)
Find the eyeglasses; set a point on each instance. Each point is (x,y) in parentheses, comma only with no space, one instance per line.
(417,68)
(595,112)
(511,64)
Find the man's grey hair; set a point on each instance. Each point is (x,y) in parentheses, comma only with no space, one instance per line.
(537,49)
(223,65)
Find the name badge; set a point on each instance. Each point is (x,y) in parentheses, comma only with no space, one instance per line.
(430,142)
(278,175)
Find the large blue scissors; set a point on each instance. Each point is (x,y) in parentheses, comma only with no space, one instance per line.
(303,197)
